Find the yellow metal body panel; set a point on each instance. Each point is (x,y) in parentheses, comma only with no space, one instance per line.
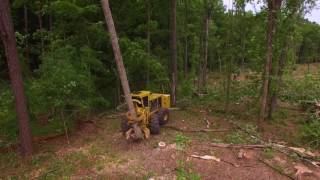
(146,105)
(150,102)
(166,101)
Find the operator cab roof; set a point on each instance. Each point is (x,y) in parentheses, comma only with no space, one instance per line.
(141,93)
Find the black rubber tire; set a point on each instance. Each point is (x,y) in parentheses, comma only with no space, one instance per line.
(164,116)
(124,125)
(154,125)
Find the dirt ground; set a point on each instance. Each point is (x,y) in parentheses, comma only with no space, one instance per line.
(97,150)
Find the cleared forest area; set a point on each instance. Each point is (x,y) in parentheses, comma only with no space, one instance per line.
(96,148)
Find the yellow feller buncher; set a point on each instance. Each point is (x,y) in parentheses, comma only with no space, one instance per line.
(152,111)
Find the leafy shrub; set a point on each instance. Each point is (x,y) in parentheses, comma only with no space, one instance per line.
(311,132)
(185,88)
(64,83)
(306,89)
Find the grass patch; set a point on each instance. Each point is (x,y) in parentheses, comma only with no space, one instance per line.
(184,172)
(181,141)
(268,153)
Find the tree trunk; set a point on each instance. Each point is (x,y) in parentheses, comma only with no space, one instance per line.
(9,41)
(228,85)
(281,66)
(50,22)
(173,47)
(186,42)
(220,63)
(282,60)
(205,56)
(186,58)
(40,28)
(148,37)
(120,66)
(202,76)
(273,7)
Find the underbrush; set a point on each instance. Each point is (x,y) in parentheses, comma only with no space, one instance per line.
(297,90)
(184,172)
(63,89)
(310,132)
(305,92)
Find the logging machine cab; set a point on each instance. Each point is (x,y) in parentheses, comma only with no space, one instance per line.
(151,102)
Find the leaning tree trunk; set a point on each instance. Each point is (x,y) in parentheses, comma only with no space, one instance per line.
(9,41)
(120,66)
(273,7)
(173,47)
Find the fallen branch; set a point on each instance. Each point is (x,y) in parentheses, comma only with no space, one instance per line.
(195,130)
(281,148)
(242,146)
(231,163)
(276,169)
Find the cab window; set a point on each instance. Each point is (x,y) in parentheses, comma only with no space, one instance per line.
(145,101)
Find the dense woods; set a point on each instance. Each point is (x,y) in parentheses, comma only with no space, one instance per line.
(61,66)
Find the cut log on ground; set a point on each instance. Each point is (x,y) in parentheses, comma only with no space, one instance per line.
(196,130)
(241,146)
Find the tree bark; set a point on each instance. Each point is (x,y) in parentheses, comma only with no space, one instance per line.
(120,65)
(281,66)
(41,28)
(205,57)
(186,41)
(273,7)
(173,47)
(202,76)
(228,85)
(148,37)
(186,57)
(9,41)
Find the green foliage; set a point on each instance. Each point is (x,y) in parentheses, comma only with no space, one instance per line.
(8,124)
(65,81)
(243,136)
(183,174)
(311,132)
(186,88)
(268,153)
(304,89)
(181,141)
(69,66)
(65,84)
(139,65)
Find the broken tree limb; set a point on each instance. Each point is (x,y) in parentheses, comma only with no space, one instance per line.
(276,169)
(242,146)
(281,148)
(231,163)
(195,130)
